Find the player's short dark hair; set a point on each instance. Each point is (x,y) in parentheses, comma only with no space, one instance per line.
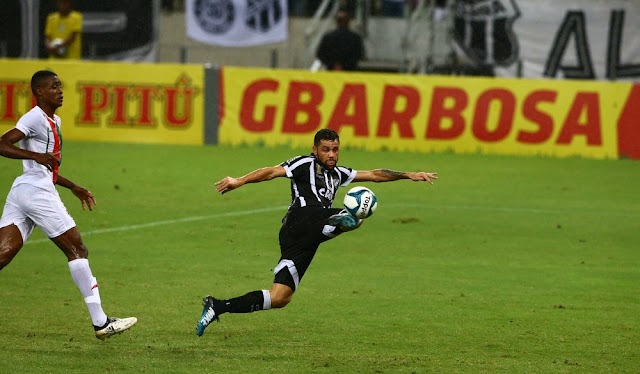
(325,134)
(38,78)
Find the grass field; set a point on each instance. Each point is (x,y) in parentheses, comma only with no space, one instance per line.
(507,264)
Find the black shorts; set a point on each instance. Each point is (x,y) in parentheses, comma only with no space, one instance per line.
(302,231)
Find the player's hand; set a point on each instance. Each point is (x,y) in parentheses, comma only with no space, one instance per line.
(85,196)
(424,176)
(50,160)
(227,184)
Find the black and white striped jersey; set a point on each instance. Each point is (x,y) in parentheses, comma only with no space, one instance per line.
(312,184)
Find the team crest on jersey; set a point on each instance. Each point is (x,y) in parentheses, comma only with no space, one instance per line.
(484,30)
(214,16)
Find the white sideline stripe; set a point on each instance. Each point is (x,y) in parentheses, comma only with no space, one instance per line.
(170,222)
(283,208)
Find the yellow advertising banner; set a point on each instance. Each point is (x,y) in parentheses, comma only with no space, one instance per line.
(110,101)
(423,113)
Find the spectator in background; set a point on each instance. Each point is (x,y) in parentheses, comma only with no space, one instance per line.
(63,32)
(393,8)
(342,48)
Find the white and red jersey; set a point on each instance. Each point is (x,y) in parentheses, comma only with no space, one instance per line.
(42,135)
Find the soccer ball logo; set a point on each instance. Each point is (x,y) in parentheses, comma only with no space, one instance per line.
(361,202)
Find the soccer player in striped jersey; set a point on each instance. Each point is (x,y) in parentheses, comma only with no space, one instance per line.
(309,221)
(34,201)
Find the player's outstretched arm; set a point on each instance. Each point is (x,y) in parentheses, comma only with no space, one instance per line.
(85,196)
(259,175)
(386,175)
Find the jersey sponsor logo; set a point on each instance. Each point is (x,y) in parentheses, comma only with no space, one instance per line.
(326,193)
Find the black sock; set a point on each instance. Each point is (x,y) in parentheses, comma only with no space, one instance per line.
(251,302)
(103,326)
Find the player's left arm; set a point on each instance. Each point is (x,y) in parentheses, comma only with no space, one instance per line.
(85,196)
(386,175)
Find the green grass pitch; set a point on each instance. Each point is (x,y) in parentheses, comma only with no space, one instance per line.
(506,264)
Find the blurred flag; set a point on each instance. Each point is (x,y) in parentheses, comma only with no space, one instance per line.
(236,23)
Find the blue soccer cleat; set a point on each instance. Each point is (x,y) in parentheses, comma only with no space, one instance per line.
(209,315)
(344,219)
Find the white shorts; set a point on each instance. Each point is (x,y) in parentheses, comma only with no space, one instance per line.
(28,206)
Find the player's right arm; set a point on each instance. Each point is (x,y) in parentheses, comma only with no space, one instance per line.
(9,150)
(259,175)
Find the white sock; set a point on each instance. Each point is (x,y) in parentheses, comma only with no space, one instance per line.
(81,274)
(266,305)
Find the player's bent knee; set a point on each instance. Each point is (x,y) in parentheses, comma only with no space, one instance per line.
(280,302)
(280,295)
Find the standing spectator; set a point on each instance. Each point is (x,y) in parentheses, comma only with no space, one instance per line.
(342,48)
(63,32)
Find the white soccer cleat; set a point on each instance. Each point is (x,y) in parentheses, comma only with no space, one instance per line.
(115,326)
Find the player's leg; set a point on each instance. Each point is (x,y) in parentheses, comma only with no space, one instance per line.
(70,242)
(277,297)
(344,221)
(49,213)
(335,222)
(248,303)
(10,244)
(296,255)
(15,228)
(297,251)
(72,246)
(318,224)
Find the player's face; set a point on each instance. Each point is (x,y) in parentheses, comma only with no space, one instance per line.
(327,152)
(51,92)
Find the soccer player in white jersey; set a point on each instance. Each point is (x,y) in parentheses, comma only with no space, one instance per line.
(34,201)
(309,221)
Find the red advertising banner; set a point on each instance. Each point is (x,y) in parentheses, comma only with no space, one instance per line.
(432,113)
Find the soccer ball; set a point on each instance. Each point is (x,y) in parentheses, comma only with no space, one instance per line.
(361,202)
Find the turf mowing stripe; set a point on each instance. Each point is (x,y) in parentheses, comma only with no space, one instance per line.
(599,212)
(170,222)
(272,209)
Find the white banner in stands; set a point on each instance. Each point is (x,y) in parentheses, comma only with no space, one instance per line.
(236,23)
